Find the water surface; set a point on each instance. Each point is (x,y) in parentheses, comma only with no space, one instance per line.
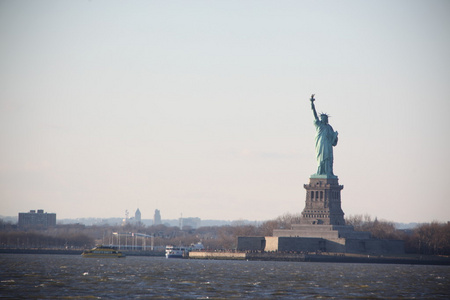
(74,277)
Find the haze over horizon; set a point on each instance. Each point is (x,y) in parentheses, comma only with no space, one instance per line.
(202,108)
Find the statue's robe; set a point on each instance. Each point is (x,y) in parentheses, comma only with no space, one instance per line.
(326,138)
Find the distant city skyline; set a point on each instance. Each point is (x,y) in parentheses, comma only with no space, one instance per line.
(202,108)
(190,221)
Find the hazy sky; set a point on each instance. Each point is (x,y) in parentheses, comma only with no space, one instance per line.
(202,108)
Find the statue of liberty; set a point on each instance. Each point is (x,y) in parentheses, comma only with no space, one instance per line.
(326,139)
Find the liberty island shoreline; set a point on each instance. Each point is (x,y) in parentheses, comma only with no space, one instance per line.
(412,259)
(323,257)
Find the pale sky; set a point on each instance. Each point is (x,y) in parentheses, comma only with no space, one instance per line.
(202,108)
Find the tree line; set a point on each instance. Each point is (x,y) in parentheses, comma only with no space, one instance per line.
(430,238)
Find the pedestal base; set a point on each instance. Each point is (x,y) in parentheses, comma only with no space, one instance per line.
(323,201)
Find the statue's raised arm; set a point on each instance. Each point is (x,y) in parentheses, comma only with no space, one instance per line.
(313,107)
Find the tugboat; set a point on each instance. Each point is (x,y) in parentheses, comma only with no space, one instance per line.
(103,251)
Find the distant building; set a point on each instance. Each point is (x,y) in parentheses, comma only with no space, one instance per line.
(157,218)
(137,217)
(38,218)
(135,221)
(194,223)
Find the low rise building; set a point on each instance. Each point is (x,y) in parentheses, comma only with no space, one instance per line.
(39,218)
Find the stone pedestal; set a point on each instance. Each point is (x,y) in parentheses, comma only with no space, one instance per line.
(323,202)
(330,232)
(322,227)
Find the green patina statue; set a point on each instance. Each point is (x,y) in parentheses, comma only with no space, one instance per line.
(326,139)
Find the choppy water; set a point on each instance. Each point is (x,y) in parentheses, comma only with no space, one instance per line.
(75,277)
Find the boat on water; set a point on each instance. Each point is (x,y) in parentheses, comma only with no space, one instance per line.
(176,252)
(182,251)
(103,251)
